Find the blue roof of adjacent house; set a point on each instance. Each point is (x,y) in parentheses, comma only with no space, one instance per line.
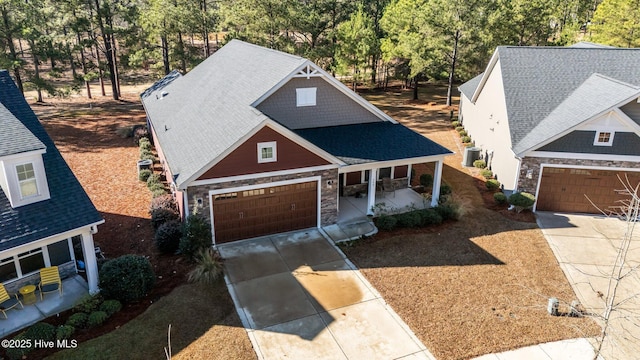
(371,142)
(68,208)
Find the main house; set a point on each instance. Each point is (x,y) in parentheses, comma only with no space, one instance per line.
(44,212)
(562,123)
(261,142)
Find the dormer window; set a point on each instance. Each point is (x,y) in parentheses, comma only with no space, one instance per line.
(603,138)
(27,180)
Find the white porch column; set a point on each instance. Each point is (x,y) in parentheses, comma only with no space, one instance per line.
(371,193)
(91,266)
(437,178)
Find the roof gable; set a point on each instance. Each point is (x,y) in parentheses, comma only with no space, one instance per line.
(15,138)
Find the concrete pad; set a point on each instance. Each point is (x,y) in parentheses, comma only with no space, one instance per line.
(368,331)
(526,353)
(74,289)
(305,338)
(335,233)
(332,285)
(272,299)
(249,260)
(574,349)
(305,248)
(422,355)
(578,250)
(358,229)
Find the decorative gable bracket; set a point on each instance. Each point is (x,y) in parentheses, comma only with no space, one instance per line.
(308,72)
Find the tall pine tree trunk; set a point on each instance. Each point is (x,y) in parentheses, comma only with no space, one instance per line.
(205,30)
(12,49)
(454,59)
(83,63)
(106,38)
(183,55)
(415,87)
(165,53)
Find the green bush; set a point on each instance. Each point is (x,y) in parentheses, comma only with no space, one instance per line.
(522,199)
(208,267)
(196,236)
(462,133)
(480,164)
(448,211)
(145,144)
(486,173)
(161,215)
(15,353)
(64,332)
(386,222)
(127,278)
(470,144)
(149,156)
(153,179)
(77,320)
(167,237)
(88,303)
(111,307)
(156,192)
(155,186)
(97,318)
(409,219)
(455,123)
(41,331)
(466,139)
(426,180)
(459,128)
(493,184)
(145,152)
(144,175)
(500,198)
(445,189)
(125,132)
(165,201)
(430,217)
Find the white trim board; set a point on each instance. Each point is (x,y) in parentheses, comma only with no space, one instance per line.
(262,175)
(390,163)
(582,156)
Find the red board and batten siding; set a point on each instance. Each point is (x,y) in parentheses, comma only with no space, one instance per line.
(178,195)
(244,159)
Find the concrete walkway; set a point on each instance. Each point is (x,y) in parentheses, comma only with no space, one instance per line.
(574,349)
(586,248)
(299,297)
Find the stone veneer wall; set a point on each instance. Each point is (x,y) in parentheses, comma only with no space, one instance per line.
(66,270)
(328,197)
(534,163)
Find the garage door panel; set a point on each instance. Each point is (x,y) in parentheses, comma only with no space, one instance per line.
(264,211)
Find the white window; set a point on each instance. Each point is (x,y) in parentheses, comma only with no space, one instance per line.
(27,180)
(603,138)
(305,97)
(267,152)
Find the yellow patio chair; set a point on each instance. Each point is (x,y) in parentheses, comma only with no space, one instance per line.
(49,281)
(7,302)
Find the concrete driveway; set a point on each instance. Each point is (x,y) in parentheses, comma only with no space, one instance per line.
(586,247)
(300,298)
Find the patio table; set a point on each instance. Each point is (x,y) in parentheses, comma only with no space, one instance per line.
(28,293)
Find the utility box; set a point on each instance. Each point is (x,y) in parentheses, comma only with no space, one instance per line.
(144,164)
(470,155)
(552,306)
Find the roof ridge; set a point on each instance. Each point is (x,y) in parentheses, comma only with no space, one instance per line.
(538,47)
(605,77)
(262,48)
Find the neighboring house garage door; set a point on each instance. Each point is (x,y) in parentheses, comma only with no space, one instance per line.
(250,213)
(573,190)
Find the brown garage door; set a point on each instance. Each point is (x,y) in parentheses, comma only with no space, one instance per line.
(569,190)
(251,213)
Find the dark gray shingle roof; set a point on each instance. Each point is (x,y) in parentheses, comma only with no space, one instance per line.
(69,207)
(371,142)
(468,88)
(538,79)
(15,138)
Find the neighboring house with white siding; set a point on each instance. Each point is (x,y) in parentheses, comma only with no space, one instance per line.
(559,122)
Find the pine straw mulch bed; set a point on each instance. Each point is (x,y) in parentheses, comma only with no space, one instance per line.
(472,287)
(105,164)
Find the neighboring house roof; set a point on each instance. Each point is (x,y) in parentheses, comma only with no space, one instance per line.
(587,44)
(470,86)
(15,138)
(68,208)
(198,117)
(372,142)
(595,96)
(537,80)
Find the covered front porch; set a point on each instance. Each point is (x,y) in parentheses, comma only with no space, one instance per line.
(352,209)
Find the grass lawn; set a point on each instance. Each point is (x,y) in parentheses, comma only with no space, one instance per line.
(204,325)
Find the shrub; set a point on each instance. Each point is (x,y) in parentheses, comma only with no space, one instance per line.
(144,144)
(125,132)
(445,189)
(466,139)
(41,331)
(409,219)
(139,133)
(165,201)
(144,175)
(145,152)
(386,222)
(493,184)
(455,123)
(153,179)
(486,173)
(430,217)
(88,303)
(208,267)
(480,164)
(162,215)
(462,133)
(149,156)
(196,236)
(64,332)
(522,200)
(448,211)
(158,192)
(500,198)
(426,180)
(157,187)
(459,128)
(97,318)
(470,144)
(17,352)
(111,307)
(77,320)
(127,278)
(167,237)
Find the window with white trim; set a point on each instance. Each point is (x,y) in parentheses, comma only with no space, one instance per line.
(31,261)
(603,138)
(267,152)
(306,97)
(27,180)
(8,269)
